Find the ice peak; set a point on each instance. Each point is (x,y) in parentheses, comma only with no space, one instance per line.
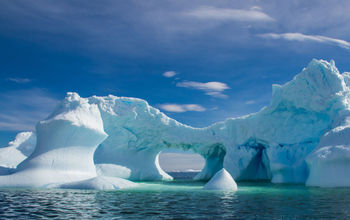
(72,96)
(316,88)
(78,111)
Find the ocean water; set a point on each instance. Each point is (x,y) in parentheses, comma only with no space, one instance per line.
(179,199)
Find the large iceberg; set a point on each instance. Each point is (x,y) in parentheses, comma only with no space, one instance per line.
(301,137)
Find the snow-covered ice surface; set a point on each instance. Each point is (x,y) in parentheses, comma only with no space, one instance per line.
(222,180)
(301,137)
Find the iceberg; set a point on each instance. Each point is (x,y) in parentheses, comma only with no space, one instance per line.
(66,142)
(17,151)
(300,137)
(329,163)
(222,180)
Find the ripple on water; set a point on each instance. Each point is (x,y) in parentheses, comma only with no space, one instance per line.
(178,200)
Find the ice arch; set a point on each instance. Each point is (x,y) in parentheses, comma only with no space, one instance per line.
(137,133)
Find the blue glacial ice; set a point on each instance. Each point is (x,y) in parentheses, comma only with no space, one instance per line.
(301,137)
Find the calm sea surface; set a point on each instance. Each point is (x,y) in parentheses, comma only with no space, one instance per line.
(179,199)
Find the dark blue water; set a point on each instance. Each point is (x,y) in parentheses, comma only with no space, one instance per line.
(179,199)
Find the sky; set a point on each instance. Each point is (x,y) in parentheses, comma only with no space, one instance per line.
(197,61)
(180,162)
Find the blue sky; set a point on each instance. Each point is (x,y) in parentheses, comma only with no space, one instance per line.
(198,61)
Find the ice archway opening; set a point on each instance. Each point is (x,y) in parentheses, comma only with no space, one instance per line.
(204,160)
(181,164)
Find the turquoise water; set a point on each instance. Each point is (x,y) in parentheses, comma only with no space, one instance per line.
(179,199)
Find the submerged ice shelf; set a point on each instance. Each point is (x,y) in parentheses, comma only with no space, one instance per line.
(301,137)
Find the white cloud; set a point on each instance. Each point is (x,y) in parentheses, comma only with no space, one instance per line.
(228,14)
(214,89)
(182,108)
(209,86)
(304,37)
(250,102)
(169,74)
(22,109)
(19,80)
(217,95)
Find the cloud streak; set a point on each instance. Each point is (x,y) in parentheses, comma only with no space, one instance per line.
(228,14)
(178,108)
(214,89)
(169,74)
(19,80)
(303,37)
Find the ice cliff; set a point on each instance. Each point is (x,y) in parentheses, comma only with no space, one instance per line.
(301,137)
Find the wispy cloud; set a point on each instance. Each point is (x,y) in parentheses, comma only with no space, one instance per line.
(228,14)
(182,108)
(169,74)
(250,102)
(19,80)
(214,89)
(22,109)
(304,37)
